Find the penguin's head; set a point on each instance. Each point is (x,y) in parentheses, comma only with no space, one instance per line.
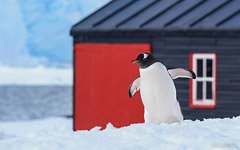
(145,60)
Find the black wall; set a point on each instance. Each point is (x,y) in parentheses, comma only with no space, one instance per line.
(173,51)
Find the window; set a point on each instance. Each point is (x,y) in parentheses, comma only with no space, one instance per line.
(203,88)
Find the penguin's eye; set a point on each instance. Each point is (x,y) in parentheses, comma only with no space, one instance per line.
(145,56)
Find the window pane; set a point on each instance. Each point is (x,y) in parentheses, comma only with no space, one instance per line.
(209,90)
(199,90)
(209,67)
(199,67)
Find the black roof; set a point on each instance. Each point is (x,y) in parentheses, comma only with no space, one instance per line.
(162,15)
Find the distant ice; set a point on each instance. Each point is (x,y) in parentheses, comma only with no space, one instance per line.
(57,134)
(39,75)
(34,32)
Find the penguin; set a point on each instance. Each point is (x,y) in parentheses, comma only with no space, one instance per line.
(157,89)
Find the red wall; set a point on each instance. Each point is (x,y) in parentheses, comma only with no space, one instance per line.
(102,75)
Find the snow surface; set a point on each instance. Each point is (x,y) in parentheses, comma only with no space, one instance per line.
(57,134)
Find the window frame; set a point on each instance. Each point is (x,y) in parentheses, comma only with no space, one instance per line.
(205,103)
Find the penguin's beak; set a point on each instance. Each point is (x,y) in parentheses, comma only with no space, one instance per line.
(134,61)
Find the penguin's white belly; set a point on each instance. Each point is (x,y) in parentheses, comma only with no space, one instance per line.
(158,94)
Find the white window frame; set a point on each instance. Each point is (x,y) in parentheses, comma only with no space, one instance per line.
(203,103)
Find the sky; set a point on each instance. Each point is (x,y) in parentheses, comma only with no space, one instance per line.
(35,41)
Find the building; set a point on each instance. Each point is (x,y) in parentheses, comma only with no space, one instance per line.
(202,35)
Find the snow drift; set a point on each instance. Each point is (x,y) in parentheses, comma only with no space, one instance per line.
(57,134)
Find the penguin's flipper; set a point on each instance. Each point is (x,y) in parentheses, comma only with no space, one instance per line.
(134,87)
(181,73)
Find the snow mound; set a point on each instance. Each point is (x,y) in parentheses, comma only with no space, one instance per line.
(57,134)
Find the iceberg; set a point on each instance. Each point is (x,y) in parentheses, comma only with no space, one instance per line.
(37,32)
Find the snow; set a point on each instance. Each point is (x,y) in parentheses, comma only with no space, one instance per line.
(39,75)
(57,134)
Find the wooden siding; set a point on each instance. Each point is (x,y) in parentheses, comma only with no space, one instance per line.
(174,52)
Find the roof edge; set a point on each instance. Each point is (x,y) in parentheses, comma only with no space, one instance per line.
(195,32)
